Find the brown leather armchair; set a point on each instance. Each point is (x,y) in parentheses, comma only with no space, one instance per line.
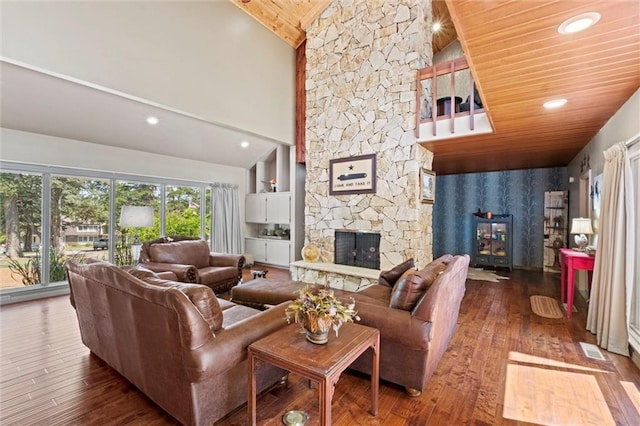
(190,260)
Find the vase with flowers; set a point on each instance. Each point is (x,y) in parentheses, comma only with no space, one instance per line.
(318,310)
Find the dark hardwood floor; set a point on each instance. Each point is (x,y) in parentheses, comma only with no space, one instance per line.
(48,377)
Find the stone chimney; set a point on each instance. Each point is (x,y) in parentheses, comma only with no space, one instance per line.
(362,58)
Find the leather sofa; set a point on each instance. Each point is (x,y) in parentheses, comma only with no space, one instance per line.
(176,342)
(189,258)
(416,312)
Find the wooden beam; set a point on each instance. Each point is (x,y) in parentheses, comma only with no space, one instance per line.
(315,11)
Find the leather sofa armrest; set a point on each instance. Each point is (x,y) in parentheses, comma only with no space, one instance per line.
(229,347)
(221,259)
(183,273)
(167,275)
(396,325)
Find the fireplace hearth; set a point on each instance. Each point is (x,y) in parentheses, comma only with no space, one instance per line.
(357,248)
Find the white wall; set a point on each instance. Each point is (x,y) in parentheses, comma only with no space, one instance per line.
(207,58)
(622,126)
(48,150)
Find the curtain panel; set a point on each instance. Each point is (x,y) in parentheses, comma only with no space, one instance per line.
(226,233)
(610,296)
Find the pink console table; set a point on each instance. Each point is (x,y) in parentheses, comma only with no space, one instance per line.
(570,261)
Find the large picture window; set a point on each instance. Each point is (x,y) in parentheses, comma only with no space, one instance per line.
(49,215)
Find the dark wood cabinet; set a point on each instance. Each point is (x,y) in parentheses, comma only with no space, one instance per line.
(492,244)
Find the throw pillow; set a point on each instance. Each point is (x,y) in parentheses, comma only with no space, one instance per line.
(407,291)
(202,298)
(390,277)
(412,285)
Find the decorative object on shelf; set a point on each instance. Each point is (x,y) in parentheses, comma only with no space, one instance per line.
(581,226)
(136,217)
(353,175)
(318,310)
(557,222)
(310,253)
(590,250)
(428,186)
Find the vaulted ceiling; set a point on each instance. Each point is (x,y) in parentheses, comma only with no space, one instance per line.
(519,61)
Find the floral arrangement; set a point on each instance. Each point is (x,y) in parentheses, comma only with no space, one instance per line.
(317,309)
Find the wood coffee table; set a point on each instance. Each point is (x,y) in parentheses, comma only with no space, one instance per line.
(288,348)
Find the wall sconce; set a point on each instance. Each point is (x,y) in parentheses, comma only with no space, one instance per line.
(136,217)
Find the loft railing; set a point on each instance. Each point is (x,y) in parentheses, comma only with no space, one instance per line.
(432,109)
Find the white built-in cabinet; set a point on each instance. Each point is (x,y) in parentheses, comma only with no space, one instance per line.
(274,252)
(273,235)
(268,207)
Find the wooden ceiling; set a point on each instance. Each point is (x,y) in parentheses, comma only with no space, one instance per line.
(288,19)
(519,61)
(447,33)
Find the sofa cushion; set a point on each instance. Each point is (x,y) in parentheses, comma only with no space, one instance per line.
(381,293)
(412,285)
(201,296)
(215,274)
(188,252)
(390,277)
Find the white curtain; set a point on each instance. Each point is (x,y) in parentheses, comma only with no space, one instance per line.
(227,234)
(610,297)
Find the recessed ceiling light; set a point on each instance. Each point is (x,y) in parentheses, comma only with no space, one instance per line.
(244,144)
(579,23)
(437,26)
(152,120)
(555,103)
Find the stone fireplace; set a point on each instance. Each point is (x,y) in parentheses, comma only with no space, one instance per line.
(362,58)
(361,249)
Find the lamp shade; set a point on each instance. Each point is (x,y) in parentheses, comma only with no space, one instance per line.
(136,216)
(581,225)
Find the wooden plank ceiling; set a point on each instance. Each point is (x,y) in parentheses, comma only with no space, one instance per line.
(288,19)
(519,61)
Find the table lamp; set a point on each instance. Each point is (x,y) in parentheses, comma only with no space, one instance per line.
(581,226)
(136,217)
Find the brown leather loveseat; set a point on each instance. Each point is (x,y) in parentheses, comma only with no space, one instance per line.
(189,258)
(177,343)
(416,312)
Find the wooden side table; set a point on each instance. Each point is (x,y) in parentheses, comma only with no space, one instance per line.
(288,348)
(571,260)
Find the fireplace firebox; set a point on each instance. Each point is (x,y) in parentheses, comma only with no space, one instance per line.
(357,248)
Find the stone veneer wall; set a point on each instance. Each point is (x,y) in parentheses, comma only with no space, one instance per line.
(362,58)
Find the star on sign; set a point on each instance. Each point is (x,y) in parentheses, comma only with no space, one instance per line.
(350,167)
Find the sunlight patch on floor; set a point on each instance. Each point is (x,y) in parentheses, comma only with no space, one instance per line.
(633,393)
(530,359)
(550,397)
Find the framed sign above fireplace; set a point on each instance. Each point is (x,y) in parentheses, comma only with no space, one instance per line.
(353,175)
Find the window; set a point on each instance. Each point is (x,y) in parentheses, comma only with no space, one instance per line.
(63,211)
(183,211)
(21,229)
(78,205)
(130,193)
(88,228)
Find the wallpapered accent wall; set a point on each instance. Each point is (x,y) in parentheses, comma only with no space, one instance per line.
(516,192)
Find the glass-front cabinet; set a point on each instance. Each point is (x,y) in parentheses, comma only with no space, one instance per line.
(492,242)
